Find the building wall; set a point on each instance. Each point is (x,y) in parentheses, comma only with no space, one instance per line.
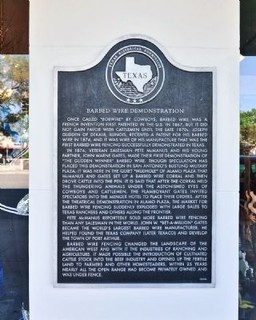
(198,33)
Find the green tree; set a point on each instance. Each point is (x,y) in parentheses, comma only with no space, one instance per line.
(14,92)
(247,130)
(15,80)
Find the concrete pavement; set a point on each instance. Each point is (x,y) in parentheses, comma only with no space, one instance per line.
(13,177)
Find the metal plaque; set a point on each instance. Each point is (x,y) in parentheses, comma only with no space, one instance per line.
(134,173)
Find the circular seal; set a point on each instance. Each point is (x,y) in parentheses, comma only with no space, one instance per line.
(135,74)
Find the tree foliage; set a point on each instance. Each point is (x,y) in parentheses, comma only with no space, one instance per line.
(14,92)
(14,98)
(247,130)
(14,79)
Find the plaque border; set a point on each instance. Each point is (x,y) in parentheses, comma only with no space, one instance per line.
(101,55)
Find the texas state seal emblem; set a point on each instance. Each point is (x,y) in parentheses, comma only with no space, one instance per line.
(135,74)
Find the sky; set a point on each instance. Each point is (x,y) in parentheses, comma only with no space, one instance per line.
(248,83)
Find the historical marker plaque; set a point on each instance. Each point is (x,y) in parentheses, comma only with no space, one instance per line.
(134,170)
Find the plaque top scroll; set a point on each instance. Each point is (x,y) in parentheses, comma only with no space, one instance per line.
(134,188)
